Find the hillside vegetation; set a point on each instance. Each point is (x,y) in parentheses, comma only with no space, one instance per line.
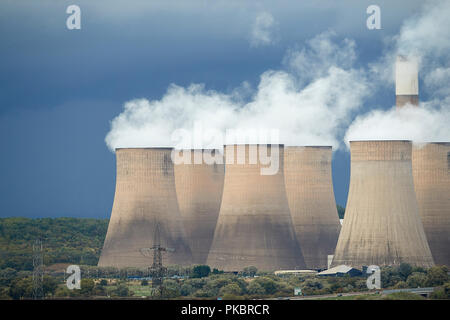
(66,240)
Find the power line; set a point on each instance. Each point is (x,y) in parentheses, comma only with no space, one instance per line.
(38,270)
(157,270)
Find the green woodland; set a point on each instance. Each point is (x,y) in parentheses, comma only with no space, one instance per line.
(65,240)
(79,241)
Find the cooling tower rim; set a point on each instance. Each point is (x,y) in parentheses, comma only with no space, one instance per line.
(351,141)
(254,144)
(315,147)
(193,149)
(445,143)
(145,148)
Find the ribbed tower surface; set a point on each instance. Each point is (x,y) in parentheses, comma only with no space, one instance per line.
(199,188)
(431,171)
(254,226)
(145,201)
(382,224)
(309,189)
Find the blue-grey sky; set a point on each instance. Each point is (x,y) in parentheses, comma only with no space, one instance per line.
(60,88)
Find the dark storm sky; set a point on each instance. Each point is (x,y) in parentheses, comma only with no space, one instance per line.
(60,88)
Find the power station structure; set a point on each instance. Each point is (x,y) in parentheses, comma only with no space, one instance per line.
(382,224)
(309,189)
(406,81)
(199,186)
(431,171)
(145,197)
(254,226)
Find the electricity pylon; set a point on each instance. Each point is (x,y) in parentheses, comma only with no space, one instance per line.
(157,270)
(38,270)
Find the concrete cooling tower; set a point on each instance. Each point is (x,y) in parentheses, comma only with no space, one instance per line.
(145,203)
(309,189)
(431,171)
(254,226)
(199,188)
(382,225)
(406,81)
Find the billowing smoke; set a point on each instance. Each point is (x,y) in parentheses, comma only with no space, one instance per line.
(307,105)
(424,36)
(426,123)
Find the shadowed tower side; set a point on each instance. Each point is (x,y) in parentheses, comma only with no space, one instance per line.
(382,225)
(145,196)
(309,189)
(254,226)
(431,171)
(199,188)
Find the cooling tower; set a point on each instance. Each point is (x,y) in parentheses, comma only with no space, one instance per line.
(309,189)
(406,81)
(254,226)
(431,171)
(382,225)
(199,188)
(145,201)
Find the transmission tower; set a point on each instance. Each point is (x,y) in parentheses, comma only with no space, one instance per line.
(38,270)
(157,270)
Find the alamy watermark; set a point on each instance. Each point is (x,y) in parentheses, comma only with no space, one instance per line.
(74,280)
(374,280)
(241,146)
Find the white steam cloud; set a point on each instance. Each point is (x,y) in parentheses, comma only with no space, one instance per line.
(311,101)
(262,33)
(424,36)
(311,112)
(425,123)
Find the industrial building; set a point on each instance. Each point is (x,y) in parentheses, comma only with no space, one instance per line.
(309,189)
(199,187)
(382,224)
(145,205)
(254,226)
(431,172)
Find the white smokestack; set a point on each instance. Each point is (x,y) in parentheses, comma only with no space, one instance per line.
(406,81)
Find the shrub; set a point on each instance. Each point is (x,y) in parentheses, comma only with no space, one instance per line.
(269,285)
(231,289)
(404,270)
(250,271)
(255,288)
(401,285)
(416,280)
(441,292)
(186,289)
(437,276)
(121,290)
(87,287)
(201,271)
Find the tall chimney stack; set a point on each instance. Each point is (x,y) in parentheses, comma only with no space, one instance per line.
(406,81)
